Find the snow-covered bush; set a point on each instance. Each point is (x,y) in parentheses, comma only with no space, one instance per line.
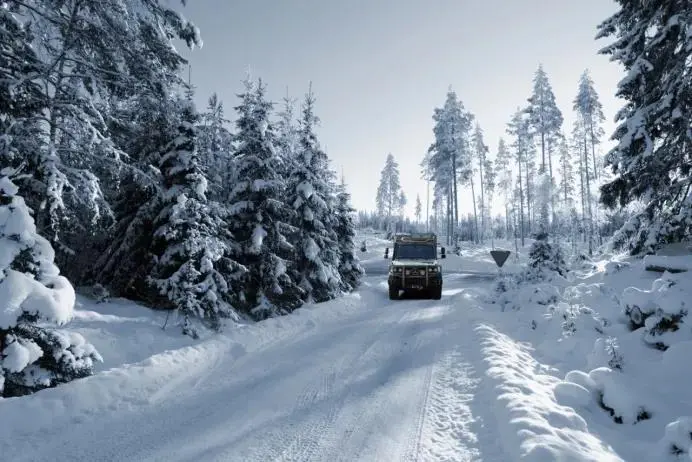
(545,260)
(661,311)
(32,291)
(677,439)
(608,388)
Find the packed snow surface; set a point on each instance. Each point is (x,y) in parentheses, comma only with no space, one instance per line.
(357,378)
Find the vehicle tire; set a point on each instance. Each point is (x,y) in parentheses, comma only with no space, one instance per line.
(393,293)
(436,293)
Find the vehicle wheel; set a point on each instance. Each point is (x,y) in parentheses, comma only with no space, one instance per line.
(436,293)
(393,293)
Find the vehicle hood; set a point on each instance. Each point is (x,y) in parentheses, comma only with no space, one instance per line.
(420,263)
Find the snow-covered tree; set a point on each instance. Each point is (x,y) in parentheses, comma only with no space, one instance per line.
(590,110)
(545,118)
(34,356)
(191,246)
(480,151)
(215,150)
(503,171)
(449,157)
(317,259)
(519,129)
(91,54)
(545,259)
(546,122)
(259,216)
(349,267)
(652,159)
(418,209)
(588,130)
(288,138)
(489,178)
(389,190)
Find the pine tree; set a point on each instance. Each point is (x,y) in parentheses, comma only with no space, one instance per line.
(317,259)
(519,128)
(191,244)
(259,217)
(590,111)
(32,355)
(389,191)
(546,121)
(481,154)
(652,161)
(449,157)
(590,116)
(503,171)
(418,210)
(489,178)
(544,116)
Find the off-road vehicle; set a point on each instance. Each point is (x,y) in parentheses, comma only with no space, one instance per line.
(414,265)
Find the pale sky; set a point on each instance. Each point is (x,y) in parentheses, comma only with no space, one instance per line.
(379,68)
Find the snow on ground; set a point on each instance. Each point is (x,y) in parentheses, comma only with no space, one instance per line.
(358,378)
(618,338)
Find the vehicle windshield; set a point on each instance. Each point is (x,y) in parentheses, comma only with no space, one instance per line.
(414,251)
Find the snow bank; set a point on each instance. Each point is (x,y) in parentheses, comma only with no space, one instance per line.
(624,336)
(676,263)
(531,420)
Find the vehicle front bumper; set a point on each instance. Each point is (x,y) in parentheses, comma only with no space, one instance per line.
(415,282)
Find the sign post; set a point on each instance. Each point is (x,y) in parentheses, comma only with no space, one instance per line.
(500,257)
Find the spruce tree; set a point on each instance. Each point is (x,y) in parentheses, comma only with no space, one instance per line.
(652,161)
(191,246)
(259,217)
(33,355)
(317,247)
(349,267)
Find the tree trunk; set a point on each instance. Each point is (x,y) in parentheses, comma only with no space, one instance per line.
(583,196)
(593,149)
(455,211)
(521,205)
(483,224)
(427,207)
(450,216)
(475,215)
(588,197)
(542,151)
(552,196)
(529,208)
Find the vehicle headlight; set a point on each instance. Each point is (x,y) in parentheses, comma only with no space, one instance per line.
(434,269)
(395,270)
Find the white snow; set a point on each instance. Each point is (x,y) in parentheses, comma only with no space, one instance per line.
(365,378)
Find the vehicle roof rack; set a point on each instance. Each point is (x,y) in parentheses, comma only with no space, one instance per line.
(417,237)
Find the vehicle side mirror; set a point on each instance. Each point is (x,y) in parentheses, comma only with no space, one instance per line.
(443,253)
(386,252)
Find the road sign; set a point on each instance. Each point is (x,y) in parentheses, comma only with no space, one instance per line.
(500,256)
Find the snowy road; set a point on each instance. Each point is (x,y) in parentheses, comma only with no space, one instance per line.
(391,381)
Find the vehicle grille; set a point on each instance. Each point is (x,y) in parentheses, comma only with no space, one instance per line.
(410,281)
(414,272)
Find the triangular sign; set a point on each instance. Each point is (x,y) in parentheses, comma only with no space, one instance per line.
(500,256)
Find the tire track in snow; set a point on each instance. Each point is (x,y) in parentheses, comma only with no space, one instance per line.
(302,441)
(447,432)
(384,398)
